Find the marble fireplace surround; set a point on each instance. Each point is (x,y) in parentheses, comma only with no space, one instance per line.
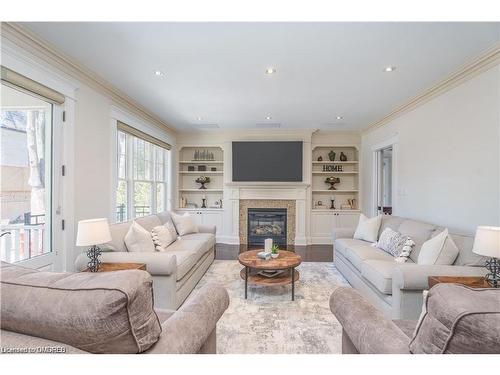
(292,196)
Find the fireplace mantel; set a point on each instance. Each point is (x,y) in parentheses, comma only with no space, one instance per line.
(268,185)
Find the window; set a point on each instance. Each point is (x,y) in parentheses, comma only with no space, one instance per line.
(141,177)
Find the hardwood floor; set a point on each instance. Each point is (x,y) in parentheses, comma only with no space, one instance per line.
(310,253)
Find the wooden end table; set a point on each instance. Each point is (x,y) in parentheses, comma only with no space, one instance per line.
(470,281)
(286,260)
(107,267)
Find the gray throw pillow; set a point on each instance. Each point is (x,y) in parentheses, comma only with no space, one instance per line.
(394,243)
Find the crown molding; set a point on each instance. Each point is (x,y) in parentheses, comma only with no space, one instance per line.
(477,66)
(41,49)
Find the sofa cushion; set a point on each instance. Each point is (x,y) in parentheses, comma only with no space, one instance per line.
(458,320)
(389,221)
(165,217)
(418,231)
(379,273)
(342,244)
(367,229)
(208,240)
(105,312)
(357,254)
(465,256)
(163,236)
(148,222)
(118,232)
(188,253)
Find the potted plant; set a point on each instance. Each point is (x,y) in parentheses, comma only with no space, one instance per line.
(203,180)
(275,251)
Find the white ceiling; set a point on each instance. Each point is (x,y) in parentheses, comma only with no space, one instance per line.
(216,70)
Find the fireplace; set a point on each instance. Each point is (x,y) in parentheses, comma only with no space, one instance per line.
(267,223)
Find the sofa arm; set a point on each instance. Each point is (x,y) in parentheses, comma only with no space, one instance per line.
(157,263)
(367,328)
(343,233)
(189,328)
(415,276)
(207,229)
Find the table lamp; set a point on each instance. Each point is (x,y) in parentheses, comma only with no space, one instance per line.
(487,243)
(91,233)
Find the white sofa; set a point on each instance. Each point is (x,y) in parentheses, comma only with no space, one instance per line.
(396,289)
(176,271)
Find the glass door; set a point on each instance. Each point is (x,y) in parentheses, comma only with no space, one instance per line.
(26,160)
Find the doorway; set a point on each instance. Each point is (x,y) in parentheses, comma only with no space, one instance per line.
(26,167)
(384,180)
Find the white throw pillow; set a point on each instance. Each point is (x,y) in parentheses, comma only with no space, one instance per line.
(184,224)
(367,229)
(163,236)
(138,239)
(440,249)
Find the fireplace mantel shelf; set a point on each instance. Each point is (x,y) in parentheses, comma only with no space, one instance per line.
(262,184)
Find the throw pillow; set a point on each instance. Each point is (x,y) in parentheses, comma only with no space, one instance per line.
(163,236)
(439,249)
(138,239)
(367,229)
(396,244)
(184,224)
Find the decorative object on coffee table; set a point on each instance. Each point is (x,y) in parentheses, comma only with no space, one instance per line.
(203,180)
(332,181)
(343,157)
(331,155)
(487,243)
(286,260)
(91,233)
(275,251)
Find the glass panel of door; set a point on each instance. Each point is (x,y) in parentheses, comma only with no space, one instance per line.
(26,176)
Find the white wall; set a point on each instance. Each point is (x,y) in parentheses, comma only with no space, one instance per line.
(447,161)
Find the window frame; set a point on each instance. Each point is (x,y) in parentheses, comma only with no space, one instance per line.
(130,180)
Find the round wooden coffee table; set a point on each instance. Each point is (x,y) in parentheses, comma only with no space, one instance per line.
(286,261)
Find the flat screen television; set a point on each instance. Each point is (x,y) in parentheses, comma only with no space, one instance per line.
(267,161)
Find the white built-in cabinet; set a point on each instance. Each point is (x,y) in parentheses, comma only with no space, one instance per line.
(323,219)
(195,161)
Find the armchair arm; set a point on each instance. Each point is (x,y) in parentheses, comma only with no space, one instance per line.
(415,276)
(207,229)
(367,328)
(157,263)
(188,329)
(343,233)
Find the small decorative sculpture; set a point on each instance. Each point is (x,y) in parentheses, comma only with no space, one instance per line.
(331,155)
(203,180)
(332,207)
(332,181)
(320,158)
(203,202)
(343,157)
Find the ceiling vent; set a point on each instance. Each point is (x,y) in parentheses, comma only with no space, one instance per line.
(206,126)
(268,126)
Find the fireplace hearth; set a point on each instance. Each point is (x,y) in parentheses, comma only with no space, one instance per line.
(267,223)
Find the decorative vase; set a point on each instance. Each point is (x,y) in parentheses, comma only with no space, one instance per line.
(331,155)
(274,255)
(343,157)
(320,158)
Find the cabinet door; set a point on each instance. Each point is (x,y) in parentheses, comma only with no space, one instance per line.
(322,224)
(213,218)
(347,219)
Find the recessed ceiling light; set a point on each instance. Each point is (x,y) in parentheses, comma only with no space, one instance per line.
(270,70)
(159,73)
(268,117)
(389,69)
(339,118)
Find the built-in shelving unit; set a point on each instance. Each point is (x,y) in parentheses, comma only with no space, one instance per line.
(192,161)
(347,190)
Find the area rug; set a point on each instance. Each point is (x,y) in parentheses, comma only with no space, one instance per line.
(268,322)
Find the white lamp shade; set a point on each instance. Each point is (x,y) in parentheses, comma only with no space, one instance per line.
(93,232)
(487,242)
